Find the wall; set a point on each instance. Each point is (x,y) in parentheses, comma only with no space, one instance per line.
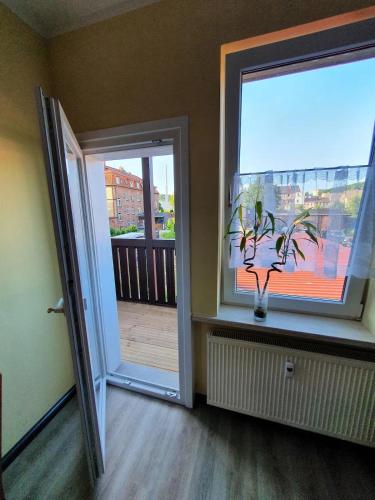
(369,312)
(161,61)
(34,352)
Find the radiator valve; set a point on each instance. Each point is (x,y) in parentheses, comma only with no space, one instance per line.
(289,369)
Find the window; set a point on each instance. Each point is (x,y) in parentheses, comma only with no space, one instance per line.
(119,202)
(117,180)
(119,216)
(300,131)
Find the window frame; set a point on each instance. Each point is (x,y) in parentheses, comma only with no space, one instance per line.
(347,39)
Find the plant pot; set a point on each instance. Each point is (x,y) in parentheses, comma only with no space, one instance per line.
(260,305)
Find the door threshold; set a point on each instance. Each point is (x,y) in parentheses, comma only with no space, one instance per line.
(150,374)
(137,378)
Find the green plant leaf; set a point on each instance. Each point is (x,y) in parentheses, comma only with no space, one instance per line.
(259,209)
(295,256)
(309,225)
(300,217)
(272,219)
(312,237)
(300,253)
(279,242)
(238,197)
(243,244)
(240,213)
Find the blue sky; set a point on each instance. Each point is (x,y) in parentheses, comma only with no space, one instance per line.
(161,166)
(318,118)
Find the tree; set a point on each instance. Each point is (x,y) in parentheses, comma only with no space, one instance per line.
(353,204)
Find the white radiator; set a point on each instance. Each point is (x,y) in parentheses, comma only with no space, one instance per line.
(318,392)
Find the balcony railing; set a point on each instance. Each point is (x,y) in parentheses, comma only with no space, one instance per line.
(145,271)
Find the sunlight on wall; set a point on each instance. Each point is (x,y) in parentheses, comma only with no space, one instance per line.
(34,350)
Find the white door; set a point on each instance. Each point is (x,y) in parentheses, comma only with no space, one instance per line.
(65,174)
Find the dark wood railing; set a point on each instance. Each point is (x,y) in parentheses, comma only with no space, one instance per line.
(145,271)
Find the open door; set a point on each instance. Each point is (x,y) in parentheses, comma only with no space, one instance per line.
(64,161)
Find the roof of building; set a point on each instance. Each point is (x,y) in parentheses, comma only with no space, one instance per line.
(126,176)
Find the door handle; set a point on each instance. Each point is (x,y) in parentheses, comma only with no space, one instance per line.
(58,307)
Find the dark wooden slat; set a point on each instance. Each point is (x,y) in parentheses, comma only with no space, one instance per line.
(124,273)
(163,243)
(125,270)
(169,252)
(133,273)
(160,281)
(118,242)
(142,273)
(116,272)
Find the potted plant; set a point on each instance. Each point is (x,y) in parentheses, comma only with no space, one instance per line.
(250,228)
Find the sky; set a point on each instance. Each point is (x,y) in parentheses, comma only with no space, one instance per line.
(317,118)
(161,166)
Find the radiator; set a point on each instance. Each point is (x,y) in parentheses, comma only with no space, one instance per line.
(318,392)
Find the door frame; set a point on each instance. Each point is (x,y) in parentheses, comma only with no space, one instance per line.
(157,133)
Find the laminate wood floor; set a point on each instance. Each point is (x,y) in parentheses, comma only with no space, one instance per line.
(161,451)
(148,335)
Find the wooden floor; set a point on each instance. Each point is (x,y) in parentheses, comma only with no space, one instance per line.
(160,451)
(148,335)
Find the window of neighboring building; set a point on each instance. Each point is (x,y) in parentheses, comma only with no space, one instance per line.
(119,202)
(117,180)
(300,130)
(119,216)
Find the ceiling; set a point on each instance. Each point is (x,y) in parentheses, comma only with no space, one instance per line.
(50,18)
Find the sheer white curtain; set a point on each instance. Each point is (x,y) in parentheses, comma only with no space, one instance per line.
(341,202)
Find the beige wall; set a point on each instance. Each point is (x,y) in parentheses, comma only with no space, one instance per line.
(157,62)
(162,61)
(369,313)
(34,352)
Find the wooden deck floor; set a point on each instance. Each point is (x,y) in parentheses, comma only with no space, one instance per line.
(148,335)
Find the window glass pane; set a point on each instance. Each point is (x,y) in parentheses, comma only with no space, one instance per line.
(317,118)
(164,209)
(308,120)
(124,189)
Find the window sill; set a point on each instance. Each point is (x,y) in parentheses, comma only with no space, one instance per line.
(344,332)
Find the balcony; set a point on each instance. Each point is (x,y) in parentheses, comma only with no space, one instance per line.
(148,335)
(145,279)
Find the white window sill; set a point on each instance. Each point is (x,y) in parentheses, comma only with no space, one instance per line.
(320,328)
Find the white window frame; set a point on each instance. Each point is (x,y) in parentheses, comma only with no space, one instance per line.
(318,46)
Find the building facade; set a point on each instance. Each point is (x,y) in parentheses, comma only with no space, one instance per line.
(124,192)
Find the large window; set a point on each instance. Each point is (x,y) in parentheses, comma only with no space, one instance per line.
(300,134)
